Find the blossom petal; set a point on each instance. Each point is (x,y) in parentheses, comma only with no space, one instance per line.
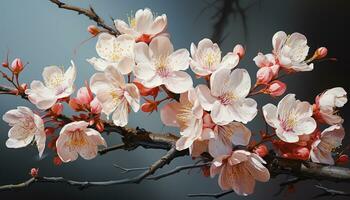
(271,115)
(120,115)
(168,113)
(205,98)
(179,60)
(132,95)
(178,82)
(161,47)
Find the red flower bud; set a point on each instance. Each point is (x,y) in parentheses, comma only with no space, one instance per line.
(93,30)
(84,95)
(149,106)
(57,160)
(95,106)
(261,150)
(34,172)
(276,88)
(146,91)
(320,53)
(100,126)
(144,38)
(342,159)
(57,109)
(24,86)
(17,66)
(5,64)
(49,131)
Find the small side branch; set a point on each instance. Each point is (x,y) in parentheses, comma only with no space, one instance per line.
(214,195)
(112,148)
(330,192)
(90,13)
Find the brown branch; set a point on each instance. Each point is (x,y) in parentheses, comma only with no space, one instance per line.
(90,13)
(214,195)
(127,170)
(329,192)
(112,148)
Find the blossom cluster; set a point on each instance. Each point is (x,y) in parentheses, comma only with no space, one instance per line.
(141,62)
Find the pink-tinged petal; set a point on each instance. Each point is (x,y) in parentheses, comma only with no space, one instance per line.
(168,113)
(63,151)
(205,98)
(333,135)
(143,19)
(155,81)
(271,115)
(335,97)
(179,60)
(264,75)
(126,65)
(120,115)
(261,60)
(239,134)
(123,27)
(114,77)
(257,170)
(105,45)
(184,143)
(98,63)
(40,95)
(50,71)
(144,71)
(70,74)
(244,183)
(198,147)
(303,109)
(240,82)
(141,52)
(285,105)
(161,47)
(178,82)
(15,141)
(220,82)
(193,50)
(159,25)
(99,82)
(287,136)
(221,114)
(40,139)
(230,61)
(107,101)
(88,151)
(207,134)
(305,126)
(320,156)
(238,156)
(278,40)
(227,177)
(214,170)
(15,115)
(73,126)
(197,68)
(219,146)
(329,117)
(245,110)
(132,95)
(95,137)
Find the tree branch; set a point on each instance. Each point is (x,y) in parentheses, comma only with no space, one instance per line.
(214,195)
(329,192)
(90,13)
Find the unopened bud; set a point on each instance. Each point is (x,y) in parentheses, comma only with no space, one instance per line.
(149,106)
(93,30)
(84,96)
(100,126)
(320,53)
(57,109)
(5,64)
(96,106)
(57,160)
(261,150)
(239,50)
(49,131)
(17,66)
(34,172)
(342,159)
(264,75)
(276,88)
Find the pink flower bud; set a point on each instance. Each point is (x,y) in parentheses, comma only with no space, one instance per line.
(276,88)
(96,106)
(34,172)
(24,86)
(5,64)
(57,109)
(239,50)
(321,53)
(17,66)
(264,75)
(84,96)
(93,30)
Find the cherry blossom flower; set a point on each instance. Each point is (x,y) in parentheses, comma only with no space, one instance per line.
(239,171)
(291,51)
(321,151)
(187,115)
(158,64)
(226,136)
(26,127)
(269,68)
(76,138)
(206,58)
(326,105)
(58,84)
(227,98)
(115,95)
(291,118)
(143,27)
(114,51)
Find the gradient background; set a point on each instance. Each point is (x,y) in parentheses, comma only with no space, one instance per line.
(40,33)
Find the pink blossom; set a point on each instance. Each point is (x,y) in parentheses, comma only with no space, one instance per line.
(276,88)
(76,138)
(26,127)
(84,96)
(239,171)
(17,66)
(291,118)
(264,75)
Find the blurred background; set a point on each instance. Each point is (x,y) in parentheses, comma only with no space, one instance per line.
(41,34)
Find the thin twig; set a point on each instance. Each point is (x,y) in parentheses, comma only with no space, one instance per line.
(329,192)
(89,12)
(214,195)
(127,170)
(112,148)
(178,169)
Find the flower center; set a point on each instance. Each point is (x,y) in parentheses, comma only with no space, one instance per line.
(77,139)
(161,67)
(121,50)
(185,115)
(132,22)
(289,123)
(227,98)
(116,96)
(55,80)
(211,58)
